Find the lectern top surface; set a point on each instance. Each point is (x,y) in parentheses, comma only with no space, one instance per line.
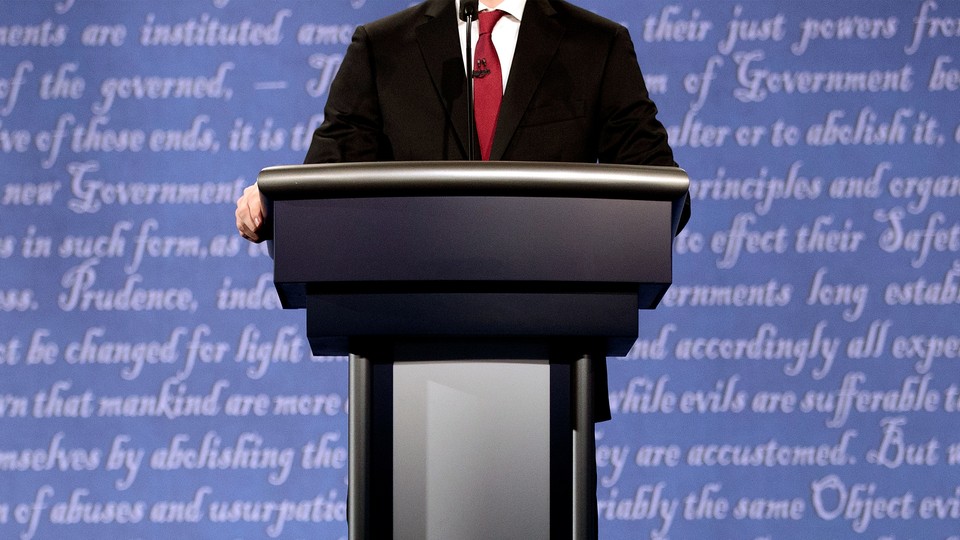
(464,178)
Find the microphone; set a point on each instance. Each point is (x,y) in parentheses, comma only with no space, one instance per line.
(469,10)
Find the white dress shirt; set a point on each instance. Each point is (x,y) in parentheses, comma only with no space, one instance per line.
(504,34)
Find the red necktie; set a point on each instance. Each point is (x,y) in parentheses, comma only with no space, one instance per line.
(487,83)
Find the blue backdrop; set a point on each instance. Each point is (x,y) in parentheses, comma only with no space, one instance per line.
(799,380)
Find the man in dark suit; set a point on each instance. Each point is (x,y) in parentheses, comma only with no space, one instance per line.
(573,92)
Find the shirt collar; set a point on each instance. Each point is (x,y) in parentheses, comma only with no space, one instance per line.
(514,8)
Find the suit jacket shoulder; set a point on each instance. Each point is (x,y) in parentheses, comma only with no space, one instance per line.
(403,21)
(580,15)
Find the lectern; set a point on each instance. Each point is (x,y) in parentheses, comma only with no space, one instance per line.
(474,300)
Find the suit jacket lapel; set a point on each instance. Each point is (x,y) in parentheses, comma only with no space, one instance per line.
(440,46)
(540,35)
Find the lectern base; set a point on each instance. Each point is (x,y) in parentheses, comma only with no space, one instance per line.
(471,440)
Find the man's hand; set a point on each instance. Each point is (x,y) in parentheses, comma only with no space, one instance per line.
(250,214)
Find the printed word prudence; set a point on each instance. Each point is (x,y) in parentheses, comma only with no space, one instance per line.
(82,296)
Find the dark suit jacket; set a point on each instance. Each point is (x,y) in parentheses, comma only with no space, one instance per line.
(575,94)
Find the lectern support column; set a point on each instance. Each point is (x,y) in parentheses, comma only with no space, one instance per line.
(358,502)
(584,509)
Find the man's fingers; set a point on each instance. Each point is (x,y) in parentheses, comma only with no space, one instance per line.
(249,213)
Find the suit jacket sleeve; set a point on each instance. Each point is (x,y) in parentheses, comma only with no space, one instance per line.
(351,130)
(630,132)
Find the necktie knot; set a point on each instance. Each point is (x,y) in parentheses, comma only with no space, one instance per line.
(488,19)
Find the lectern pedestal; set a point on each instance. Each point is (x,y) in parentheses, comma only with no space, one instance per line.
(468,439)
(475,301)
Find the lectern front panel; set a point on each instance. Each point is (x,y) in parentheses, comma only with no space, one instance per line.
(471,439)
(471,450)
